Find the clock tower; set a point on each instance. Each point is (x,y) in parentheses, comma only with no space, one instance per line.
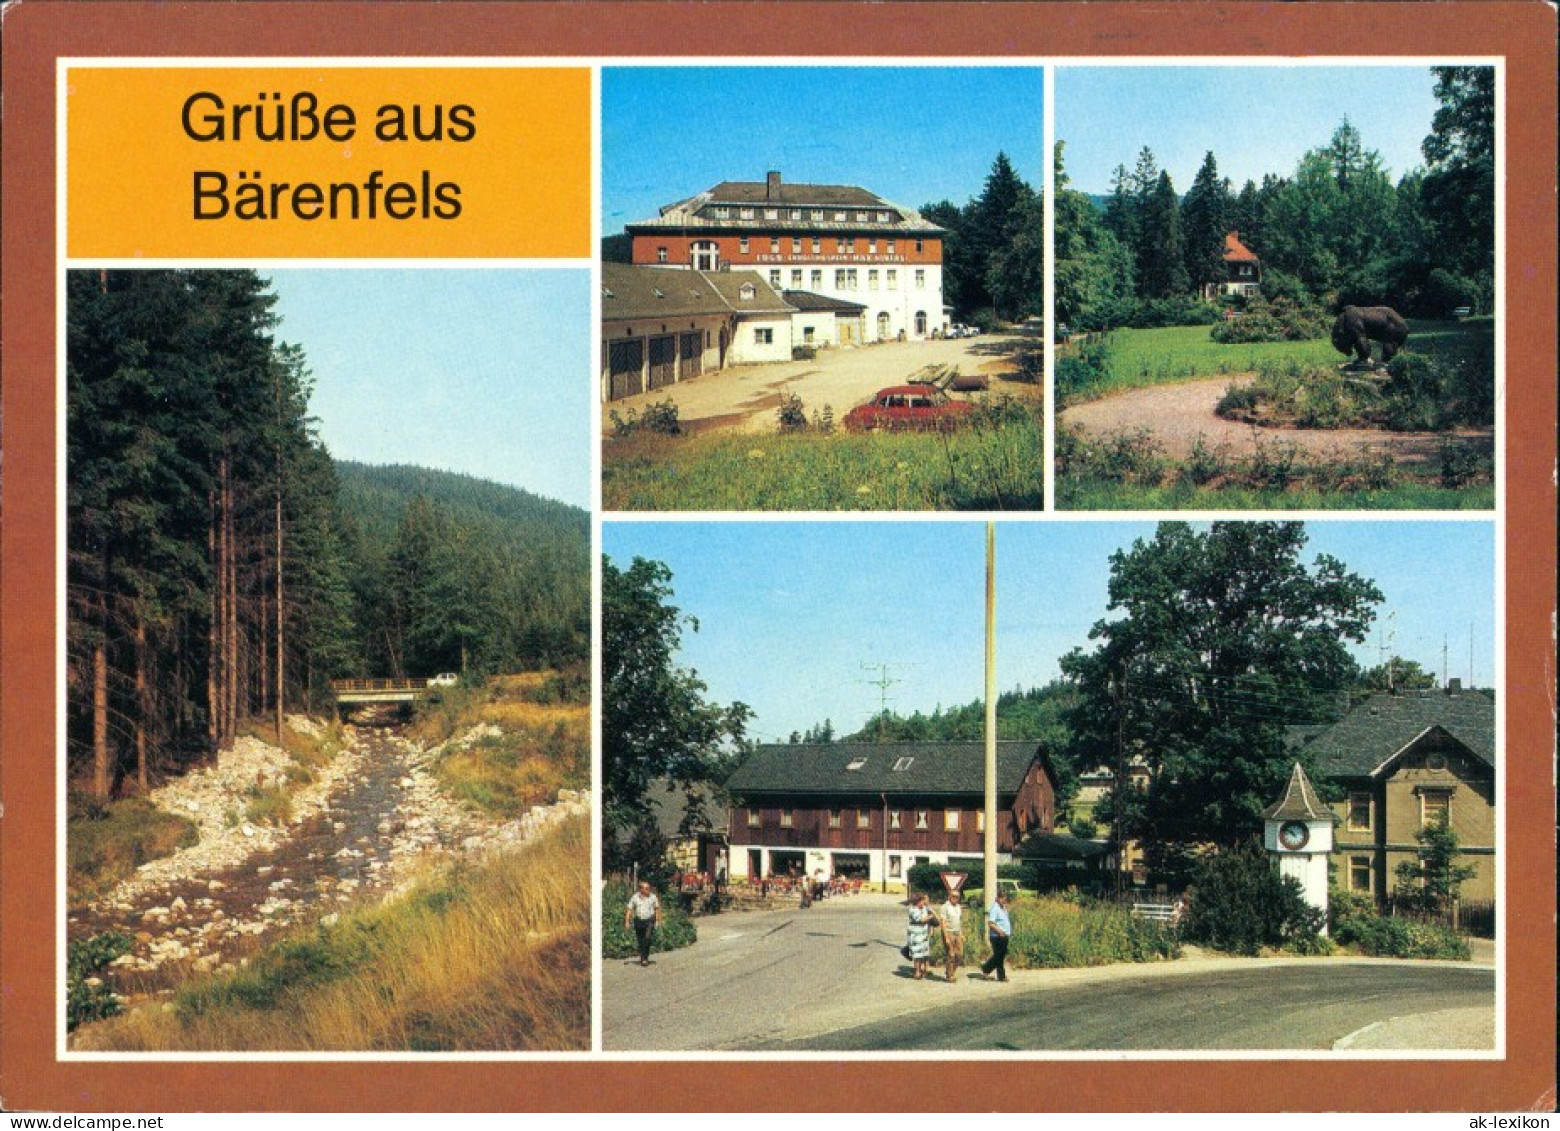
(1298,829)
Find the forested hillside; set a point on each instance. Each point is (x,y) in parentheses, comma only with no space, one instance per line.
(456,573)
(218,569)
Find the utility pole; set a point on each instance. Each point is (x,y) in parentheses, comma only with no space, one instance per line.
(990,845)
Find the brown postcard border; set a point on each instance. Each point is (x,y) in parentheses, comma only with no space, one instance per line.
(36,32)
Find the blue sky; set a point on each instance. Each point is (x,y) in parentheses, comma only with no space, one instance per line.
(485,372)
(791,614)
(914,135)
(1256,120)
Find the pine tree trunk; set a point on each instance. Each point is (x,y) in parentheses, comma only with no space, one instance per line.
(214,691)
(230,600)
(142,705)
(281,614)
(102,767)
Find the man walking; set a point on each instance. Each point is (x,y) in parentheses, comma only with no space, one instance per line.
(952,915)
(999,929)
(644,915)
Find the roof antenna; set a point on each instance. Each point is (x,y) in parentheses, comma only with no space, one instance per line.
(883,682)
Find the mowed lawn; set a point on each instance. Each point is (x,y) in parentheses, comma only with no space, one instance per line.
(1139,358)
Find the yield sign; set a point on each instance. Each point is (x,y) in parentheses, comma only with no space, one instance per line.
(953,881)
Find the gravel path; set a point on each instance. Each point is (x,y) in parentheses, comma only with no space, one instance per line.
(1179,414)
(744,398)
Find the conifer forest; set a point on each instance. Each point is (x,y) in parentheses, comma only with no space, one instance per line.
(222,568)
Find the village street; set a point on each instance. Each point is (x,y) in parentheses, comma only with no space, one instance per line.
(744,397)
(831,978)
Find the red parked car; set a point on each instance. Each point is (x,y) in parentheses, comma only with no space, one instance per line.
(908,408)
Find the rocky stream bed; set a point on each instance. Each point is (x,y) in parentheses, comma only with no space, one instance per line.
(355,836)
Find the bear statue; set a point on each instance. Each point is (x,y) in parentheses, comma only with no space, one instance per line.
(1358,326)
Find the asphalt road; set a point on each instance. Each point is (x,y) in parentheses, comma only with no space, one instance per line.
(1276,1007)
(831,978)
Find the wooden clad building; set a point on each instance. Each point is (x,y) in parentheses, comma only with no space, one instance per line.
(872,811)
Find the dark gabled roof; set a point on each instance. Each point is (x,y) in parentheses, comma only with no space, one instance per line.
(811,300)
(629,291)
(783,196)
(793,195)
(932,768)
(765,300)
(1365,740)
(668,803)
(1299,802)
(1056,846)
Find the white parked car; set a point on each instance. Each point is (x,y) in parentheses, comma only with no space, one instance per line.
(444,679)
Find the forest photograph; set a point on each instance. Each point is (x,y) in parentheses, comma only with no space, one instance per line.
(1276,287)
(325,683)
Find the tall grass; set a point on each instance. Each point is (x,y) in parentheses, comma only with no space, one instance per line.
(1049,933)
(995,464)
(106,844)
(544,744)
(492,956)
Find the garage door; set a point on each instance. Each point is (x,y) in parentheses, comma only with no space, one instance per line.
(624,363)
(663,361)
(692,355)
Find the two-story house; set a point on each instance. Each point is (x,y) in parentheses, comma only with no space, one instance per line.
(872,811)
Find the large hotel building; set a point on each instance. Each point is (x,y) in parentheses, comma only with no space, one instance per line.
(836,241)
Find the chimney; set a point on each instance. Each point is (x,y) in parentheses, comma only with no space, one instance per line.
(1453,686)
(772,186)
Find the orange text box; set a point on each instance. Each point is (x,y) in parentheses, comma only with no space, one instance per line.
(327,162)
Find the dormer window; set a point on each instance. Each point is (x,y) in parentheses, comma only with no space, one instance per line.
(746,214)
(746,292)
(882,217)
(720,212)
(771,214)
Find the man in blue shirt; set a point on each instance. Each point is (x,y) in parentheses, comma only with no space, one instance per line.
(999,929)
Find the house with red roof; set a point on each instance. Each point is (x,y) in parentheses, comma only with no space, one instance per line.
(1243,272)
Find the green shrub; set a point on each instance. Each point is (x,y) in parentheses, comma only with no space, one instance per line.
(1082,826)
(660,418)
(1343,905)
(617,941)
(1400,938)
(1240,903)
(1280,320)
(1082,367)
(87,997)
(791,414)
(803,353)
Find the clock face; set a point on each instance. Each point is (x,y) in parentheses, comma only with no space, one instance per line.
(1293,835)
